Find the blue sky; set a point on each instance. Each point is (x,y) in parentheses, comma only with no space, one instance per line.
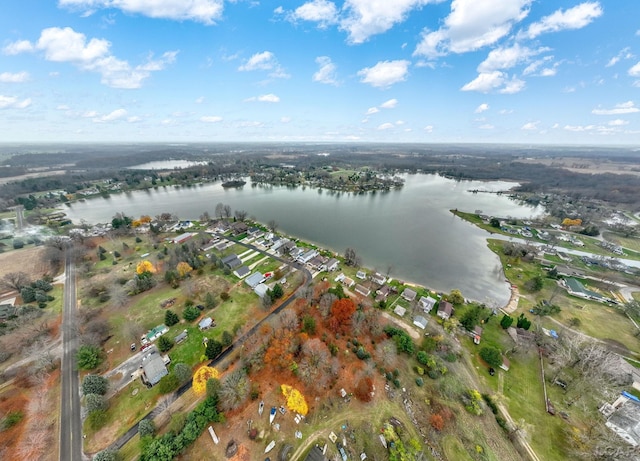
(523,71)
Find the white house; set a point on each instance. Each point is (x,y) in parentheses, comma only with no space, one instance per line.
(426,303)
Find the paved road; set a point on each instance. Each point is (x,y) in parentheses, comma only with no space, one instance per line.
(118,444)
(70,419)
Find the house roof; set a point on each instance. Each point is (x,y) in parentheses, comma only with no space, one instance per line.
(332,262)
(427,301)
(254,279)
(399,310)
(229,258)
(242,271)
(446,307)
(420,321)
(409,294)
(154,369)
(261,289)
(627,418)
(205,322)
(315,454)
(181,337)
(362,290)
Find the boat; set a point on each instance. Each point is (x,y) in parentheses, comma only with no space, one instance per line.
(272,414)
(261,407)
(270,446)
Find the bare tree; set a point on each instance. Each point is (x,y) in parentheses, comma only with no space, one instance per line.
(351,258)
(118,296)
(234,389)
(240,215)
(227,211)
(288,320)
(133,331)
(14,281)
(220,210)
(272,225)
(313,368)
(204,217)
(326,301)
(387,353)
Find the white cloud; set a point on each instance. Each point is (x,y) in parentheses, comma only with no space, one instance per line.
(90,114)
(285,119)
(204,11)
(385,73)
(320,11)
(400,122)
(327,72)
(372,110)
(390,104)
(365,18)
(573,18)
(21,46)
(18,77)
(624,53)
(505,111)
(595,128)
(622,108)
(618,122)
(486,126)
(471,25)
(505,58)
(199,100)
(535,65)
(428,128)
(264,98)
(134,119)
(515,85)
(530,126)
(481,108)
(12,102)
(67,45)
(264,61)
(385,126)
(210,119)
(548,72)
(485,82)
(112,116)
(63,107)
(613,61)
(635,70)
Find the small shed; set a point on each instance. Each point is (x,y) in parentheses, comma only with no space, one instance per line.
(399,310)
(181,337)
(261,290)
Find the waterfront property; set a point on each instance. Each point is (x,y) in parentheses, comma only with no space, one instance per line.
(445,310)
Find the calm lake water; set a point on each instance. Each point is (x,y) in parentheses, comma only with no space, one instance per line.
(411,230)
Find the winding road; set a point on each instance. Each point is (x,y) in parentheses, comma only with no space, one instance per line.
(70,417)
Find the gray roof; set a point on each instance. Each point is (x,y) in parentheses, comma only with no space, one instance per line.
(409,294)
(420,321)
(254,279)
(627,418)
(154,369)
(315,454)
(261,289)
(181,337)
(232,261)
(205,322)
(242,271)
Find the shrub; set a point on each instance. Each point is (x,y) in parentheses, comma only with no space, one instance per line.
(170,318)
(224,296)
(490,403)
(491,355)
(506,321)
(97,419)
(182,372)
(88,357)
(190,313)
(226,339)
(146,427)
(12,419)
(214,348)
(94,384)
(168,383)
(419,381)
(164,344)
(437,422)
(95,402)
(106,455)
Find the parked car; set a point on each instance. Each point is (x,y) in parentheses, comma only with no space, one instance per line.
(133,346)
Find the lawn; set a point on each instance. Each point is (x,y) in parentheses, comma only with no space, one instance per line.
(627,242)
(453,449)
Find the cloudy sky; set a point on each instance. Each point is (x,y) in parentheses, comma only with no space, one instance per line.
(525,71)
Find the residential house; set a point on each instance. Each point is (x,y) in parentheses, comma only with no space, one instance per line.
(409,294)
(623,418)
(254,279)
(153,334)
(307,256)
(426,303)
(364,291)
(181,337)
(232,261)
(445,310)
(182,238)
(361,275)
(295,252)
(318,263)
(378,278)
(277,243)
(420,322)
(241,272)
(332,264)
(384,291)
(346,281)
(239,228)
(253,231)
(286,247)
(153,369)
(206,323)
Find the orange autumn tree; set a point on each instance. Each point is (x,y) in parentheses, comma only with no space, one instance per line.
(145,266)
(568,222)
(295,400)
(341,312)
(200,378)
(279,354)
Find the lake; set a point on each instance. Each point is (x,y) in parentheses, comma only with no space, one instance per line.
(410,230)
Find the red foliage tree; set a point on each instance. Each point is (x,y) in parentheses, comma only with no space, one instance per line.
(364,388)
(341,313)
(279,353)
(437,422)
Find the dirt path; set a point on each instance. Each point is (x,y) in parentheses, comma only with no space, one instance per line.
(512,305)
(404,325)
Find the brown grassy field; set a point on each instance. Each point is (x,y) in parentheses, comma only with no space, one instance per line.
(29,260)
